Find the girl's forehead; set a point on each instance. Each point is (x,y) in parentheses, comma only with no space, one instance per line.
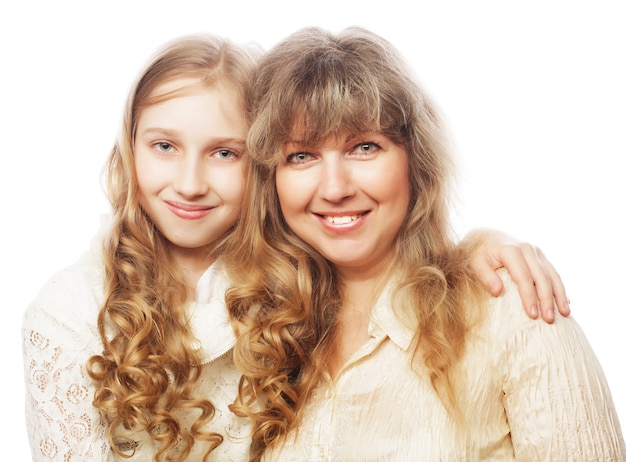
(185,87)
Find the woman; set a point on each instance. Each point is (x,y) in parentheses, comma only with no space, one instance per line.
(363,334)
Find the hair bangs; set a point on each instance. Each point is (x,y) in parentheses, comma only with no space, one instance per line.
(175,87)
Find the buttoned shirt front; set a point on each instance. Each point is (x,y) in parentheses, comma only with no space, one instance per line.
(527,390)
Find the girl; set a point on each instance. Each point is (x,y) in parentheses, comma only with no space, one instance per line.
(363,334)
(128,351)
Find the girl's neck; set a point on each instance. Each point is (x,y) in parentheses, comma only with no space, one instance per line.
(192,263)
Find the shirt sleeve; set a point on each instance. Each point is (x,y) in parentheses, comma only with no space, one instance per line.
(557,400)
(58,336)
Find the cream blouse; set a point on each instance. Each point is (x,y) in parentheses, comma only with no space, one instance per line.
(528,390)
(60,333)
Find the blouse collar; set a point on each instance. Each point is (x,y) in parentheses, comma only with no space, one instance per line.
(384,321)
(210,321)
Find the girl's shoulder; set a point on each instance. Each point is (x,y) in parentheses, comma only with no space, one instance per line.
(74,293)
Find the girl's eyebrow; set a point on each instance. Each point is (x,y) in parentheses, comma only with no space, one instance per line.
(172,133)
(159,131)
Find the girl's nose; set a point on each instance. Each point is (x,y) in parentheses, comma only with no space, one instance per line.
(191,178)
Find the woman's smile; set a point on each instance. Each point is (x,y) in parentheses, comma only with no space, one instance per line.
(356,188)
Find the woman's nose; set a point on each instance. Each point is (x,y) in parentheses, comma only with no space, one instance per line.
(336,183)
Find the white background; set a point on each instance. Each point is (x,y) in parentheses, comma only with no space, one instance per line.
(534,94)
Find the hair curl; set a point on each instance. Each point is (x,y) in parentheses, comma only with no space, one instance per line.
(286,295)
(148,368)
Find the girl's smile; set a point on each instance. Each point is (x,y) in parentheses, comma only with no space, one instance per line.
(188,211)
(188,152)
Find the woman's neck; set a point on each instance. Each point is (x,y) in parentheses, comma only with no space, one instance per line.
(360,292)
(362,286)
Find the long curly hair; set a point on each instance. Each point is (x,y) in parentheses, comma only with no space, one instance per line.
(148,369)
(286,296)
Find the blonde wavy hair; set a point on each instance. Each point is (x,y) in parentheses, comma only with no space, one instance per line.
(148,368)
(285,295)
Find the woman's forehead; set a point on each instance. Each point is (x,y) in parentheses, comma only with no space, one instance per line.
(307,130)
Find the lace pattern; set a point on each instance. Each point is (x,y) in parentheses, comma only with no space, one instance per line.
(59,334)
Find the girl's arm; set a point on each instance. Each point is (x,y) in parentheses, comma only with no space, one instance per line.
(58,336)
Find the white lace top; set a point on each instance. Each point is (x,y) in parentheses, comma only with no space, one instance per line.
(60,334)
(528,390)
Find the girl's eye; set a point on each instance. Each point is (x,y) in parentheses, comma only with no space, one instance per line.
(225,154)
(163,146)
(298,158)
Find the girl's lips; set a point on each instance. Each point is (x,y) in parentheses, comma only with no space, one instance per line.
(188,211)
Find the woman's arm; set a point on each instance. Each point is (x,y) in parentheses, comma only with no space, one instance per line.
(538,282)
(557,401)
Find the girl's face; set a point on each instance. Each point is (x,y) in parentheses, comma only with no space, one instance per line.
(347,198)
(188,161)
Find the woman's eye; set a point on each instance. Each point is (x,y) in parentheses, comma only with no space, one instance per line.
(225,154)
(366,148)
(298,158)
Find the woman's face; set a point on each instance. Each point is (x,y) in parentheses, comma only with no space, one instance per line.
(347,197)
(188,160)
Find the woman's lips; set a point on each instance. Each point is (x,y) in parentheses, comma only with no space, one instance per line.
(342,222)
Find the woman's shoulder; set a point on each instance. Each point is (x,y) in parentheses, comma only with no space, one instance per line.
(504,319)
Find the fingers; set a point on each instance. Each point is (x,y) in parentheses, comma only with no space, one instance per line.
(539,284)
(541,280)
(487,276)
(557,287)
(522,264)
